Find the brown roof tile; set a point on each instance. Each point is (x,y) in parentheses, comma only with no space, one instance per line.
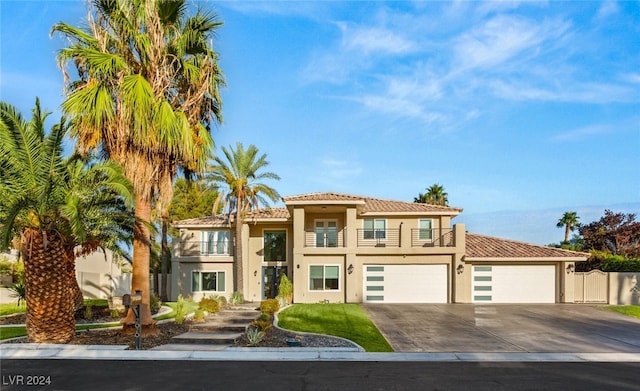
(480,246)
(373,205)
(223,220)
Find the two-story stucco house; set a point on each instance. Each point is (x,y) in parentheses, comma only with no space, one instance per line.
(347,248)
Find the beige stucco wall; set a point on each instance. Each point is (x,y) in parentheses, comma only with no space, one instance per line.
(183,277)
(624,288)
(100,276)
(301,291)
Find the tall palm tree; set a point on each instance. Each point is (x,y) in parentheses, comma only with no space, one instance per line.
(570,221)
(145,97)
(435,195)
(47,200)
(241,173)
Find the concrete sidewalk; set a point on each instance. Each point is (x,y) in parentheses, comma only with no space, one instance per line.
(111,352)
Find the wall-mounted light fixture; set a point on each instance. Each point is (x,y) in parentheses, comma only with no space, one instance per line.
(255,273)
(298,266)
(460,269)
(192,234)
(570,268)
(350,268)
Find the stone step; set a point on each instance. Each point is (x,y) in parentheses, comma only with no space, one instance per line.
(214,338)
(231,319)
(219,326)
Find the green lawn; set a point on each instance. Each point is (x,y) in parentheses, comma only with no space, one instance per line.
(348,321)
(12,308)
(629,310)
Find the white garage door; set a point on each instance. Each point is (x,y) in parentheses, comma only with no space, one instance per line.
(405,284)
(514,284)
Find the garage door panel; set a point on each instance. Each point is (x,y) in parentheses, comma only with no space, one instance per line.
(514,284)
(405,283)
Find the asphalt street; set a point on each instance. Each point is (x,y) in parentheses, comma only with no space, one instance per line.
(121,375)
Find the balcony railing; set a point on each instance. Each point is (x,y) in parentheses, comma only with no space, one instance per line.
(324,238)
(192,248)
(389,237)
(436,237)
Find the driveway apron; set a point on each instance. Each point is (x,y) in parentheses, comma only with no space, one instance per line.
(553,328)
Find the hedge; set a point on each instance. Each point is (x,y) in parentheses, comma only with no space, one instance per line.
(617,265)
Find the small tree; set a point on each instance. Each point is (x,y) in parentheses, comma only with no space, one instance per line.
(435,195)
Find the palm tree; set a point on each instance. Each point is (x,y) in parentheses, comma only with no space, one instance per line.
(241,174)
(146,95)
(435,195)
(47,200)
(570,221)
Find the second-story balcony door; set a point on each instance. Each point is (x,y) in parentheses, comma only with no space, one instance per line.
(326,233)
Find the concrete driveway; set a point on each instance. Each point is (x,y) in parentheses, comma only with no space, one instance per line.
(553,328)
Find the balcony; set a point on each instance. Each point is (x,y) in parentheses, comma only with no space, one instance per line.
(193,248)
(378,237)
(437,237)
(324,238)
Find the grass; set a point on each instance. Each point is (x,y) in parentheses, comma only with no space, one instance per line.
(12,308)
(348,321)
(629,310)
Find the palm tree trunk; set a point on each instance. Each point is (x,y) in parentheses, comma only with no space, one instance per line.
(140,275)
(566,233)
(238,272)
(164,293)
(74,288)
(49,304)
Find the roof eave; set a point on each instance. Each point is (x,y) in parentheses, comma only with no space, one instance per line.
(524,259)
(416,213)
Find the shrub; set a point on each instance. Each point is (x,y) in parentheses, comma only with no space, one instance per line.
(269,306)
(265,317)
(254,336)
(180,312)
(115,314)
(198,316)
(88,312)
(19,292)
(154,303)
(209,304)
(624,265)
(262,325)
(236,298)
(285,289)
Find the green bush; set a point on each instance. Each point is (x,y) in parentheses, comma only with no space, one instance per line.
(269,306)
(621,265)
(236,298)
(154,303)
(209,304)
(198,315)
(88,312)
(262,325)
(285,289)
(254,336)
(180,310)
(19,292)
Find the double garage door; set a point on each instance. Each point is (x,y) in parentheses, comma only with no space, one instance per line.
(490,284)
(405,284)
(514,284)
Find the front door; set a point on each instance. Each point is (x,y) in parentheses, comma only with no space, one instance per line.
(270,280)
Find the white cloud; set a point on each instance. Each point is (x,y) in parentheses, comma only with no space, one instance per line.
(607,8)
(582,133)
(374,40)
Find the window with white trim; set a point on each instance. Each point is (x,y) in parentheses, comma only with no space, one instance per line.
(425,229)
(375,228)
(207,281)
(275,245)
(324,277)
(326,233)
(215,242)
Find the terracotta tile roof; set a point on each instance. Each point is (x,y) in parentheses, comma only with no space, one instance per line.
(373,205)
(223,220)
(480,246)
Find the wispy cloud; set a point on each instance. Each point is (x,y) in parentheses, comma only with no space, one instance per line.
(607,8)
(376,41)
(583,133)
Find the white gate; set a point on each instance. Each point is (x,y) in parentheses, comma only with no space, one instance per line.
(592,287)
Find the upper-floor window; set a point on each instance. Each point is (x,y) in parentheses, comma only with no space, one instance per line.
(326,233)
(425,229)
(275,246)
(375,228)
(215,242)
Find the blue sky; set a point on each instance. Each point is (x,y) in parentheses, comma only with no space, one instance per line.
(521,110)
